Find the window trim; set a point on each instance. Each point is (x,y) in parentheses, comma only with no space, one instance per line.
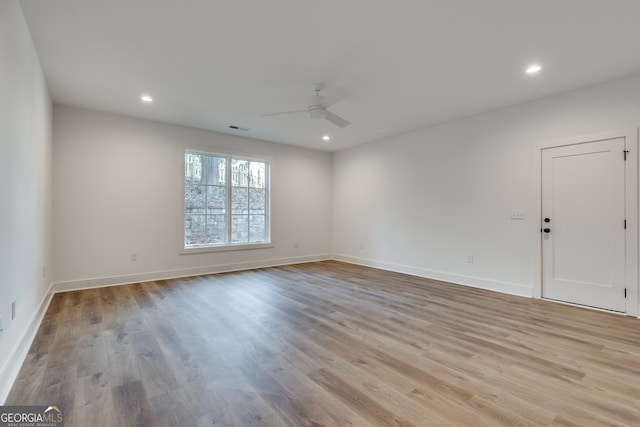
(211,151)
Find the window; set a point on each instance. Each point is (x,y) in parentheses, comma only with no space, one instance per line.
(226,201)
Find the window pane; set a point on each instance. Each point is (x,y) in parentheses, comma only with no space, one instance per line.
(192,167)
(239,173)
(257,174)
(257,228)
(257,200)
(204,230)
(217,229)
(239,200)
(194,198)
(239,228)
(194,230)
(213,172)
(216,199)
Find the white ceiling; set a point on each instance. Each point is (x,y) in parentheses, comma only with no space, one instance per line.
(407,64)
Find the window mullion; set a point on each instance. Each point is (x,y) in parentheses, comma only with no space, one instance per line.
(206,200)
(229,198)
(248,208)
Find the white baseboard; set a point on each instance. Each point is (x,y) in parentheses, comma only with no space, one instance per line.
(98,282)
(11,368)
(475,282)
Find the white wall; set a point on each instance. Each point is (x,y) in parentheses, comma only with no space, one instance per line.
(420,203)
(25,190)
(116,191)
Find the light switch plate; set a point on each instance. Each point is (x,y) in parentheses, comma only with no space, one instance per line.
(518,214)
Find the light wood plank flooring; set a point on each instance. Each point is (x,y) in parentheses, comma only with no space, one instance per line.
(328,344)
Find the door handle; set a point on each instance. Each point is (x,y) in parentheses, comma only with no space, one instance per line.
(547,230)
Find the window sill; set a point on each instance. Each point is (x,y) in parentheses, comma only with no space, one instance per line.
(226,248)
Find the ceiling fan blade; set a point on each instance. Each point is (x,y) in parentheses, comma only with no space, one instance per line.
(337,120)
(334,96)
(284,112)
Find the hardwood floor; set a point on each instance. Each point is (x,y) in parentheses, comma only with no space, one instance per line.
(328,344)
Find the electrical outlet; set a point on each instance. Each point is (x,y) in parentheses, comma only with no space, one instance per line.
(470,259)
(296,244)
(361,245)
(133,256)
(13,310)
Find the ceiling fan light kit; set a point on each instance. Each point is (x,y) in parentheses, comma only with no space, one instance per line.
(317,113)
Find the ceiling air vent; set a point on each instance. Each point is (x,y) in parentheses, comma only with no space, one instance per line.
(238,128)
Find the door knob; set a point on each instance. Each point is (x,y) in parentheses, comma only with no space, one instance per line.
(547,230)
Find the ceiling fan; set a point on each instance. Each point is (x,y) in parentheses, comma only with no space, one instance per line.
(318,105)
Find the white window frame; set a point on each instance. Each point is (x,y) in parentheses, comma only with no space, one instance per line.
(268,243)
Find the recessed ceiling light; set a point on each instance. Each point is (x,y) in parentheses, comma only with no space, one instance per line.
(146,98)
(326,138)
(533,68)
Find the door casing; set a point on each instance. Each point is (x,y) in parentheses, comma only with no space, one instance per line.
(631,210)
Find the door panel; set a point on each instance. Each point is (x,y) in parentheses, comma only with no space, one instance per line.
(583,196)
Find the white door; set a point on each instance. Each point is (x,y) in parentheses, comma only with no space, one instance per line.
(583,228)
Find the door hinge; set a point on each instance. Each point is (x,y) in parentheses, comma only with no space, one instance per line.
(625,154)
(625,224)
(625,292)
